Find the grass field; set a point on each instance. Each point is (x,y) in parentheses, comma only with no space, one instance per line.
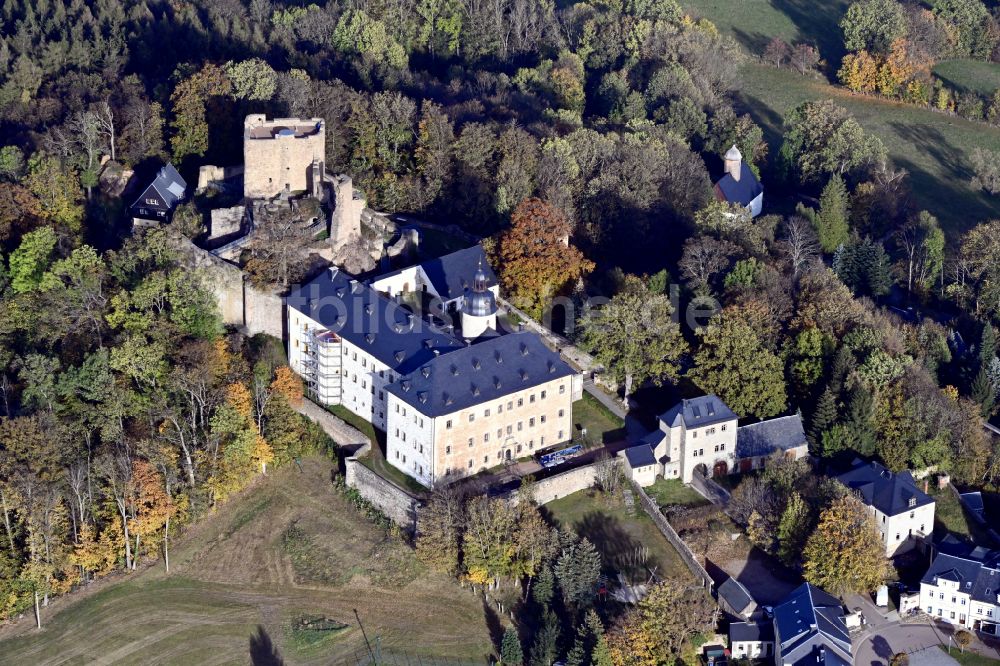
(970,75)
(629,542)
(290,548)
(932,147)
(671,492)
(602,426)
(754,22)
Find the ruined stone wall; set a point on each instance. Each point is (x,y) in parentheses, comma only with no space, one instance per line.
(240,303)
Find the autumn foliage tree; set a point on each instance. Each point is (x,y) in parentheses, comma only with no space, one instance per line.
(536,258)
(189,101)
(845,553)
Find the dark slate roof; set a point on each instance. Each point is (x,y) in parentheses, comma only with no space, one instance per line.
(741,191)
(978,580)
(640,456)
(452,274)
(369,321)
(751,631)
(737,596)
(764,438)
(809,628)
(697,412)
(169,185)
(888,492)
(481,372)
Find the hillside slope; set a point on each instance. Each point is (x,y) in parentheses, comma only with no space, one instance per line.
(289,548)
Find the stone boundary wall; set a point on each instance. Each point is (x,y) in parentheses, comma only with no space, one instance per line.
(400,506)
(566,483)
(653,511)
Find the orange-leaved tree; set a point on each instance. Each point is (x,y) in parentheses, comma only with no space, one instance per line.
(153,505)
(536,259)
(288,385)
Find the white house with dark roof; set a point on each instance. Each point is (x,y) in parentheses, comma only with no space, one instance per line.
(963,591)
(903,512)
(449,405)
(701,434)
(739,185)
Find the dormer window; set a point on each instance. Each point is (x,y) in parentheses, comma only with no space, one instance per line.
(913,501)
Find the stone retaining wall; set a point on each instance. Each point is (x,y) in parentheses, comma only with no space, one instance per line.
(400,506)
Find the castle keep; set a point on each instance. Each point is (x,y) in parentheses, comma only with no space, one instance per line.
(282,155)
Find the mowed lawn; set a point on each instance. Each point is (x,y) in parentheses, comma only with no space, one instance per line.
(933,147)
(602,426)
(290,549)
(628,541)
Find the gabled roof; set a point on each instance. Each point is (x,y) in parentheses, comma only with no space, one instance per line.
(472,375)
(371,322)
(168,184)
(751,631)
(891,493)
(640,456)
(762,439)
(736,596)
(979,579)
(452,274)
(741,191)
(697,412)
(809,628)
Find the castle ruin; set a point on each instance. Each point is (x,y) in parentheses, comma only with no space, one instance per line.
(282,156)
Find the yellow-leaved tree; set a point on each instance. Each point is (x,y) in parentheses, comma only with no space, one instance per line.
(845,553)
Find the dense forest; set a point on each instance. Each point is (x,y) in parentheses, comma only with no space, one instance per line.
(129,411)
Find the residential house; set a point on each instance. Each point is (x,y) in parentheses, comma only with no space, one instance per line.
(160,198)
(751,640)
(964,591)
(903,512)
(807,628)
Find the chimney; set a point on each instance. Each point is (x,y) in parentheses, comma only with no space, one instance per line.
(734,162)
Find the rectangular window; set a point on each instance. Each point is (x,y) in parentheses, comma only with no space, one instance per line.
(486,459)
(723,427)
(543,395)
(472,417)
(520,426)
(560,434)
(470,442)
(531,398)
(499,433)
(562,389)
(694,434)
(520,402)
(531,422)
(381,395)
(510,404)
(470,463)
(500,408)
(486,413)
(561,412)
(541,442)
(447,449)
(486,436)
(509,429)
(447,425)
(542,418)
(722,447)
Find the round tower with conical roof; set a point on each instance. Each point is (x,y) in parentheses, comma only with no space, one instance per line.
(479,308)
